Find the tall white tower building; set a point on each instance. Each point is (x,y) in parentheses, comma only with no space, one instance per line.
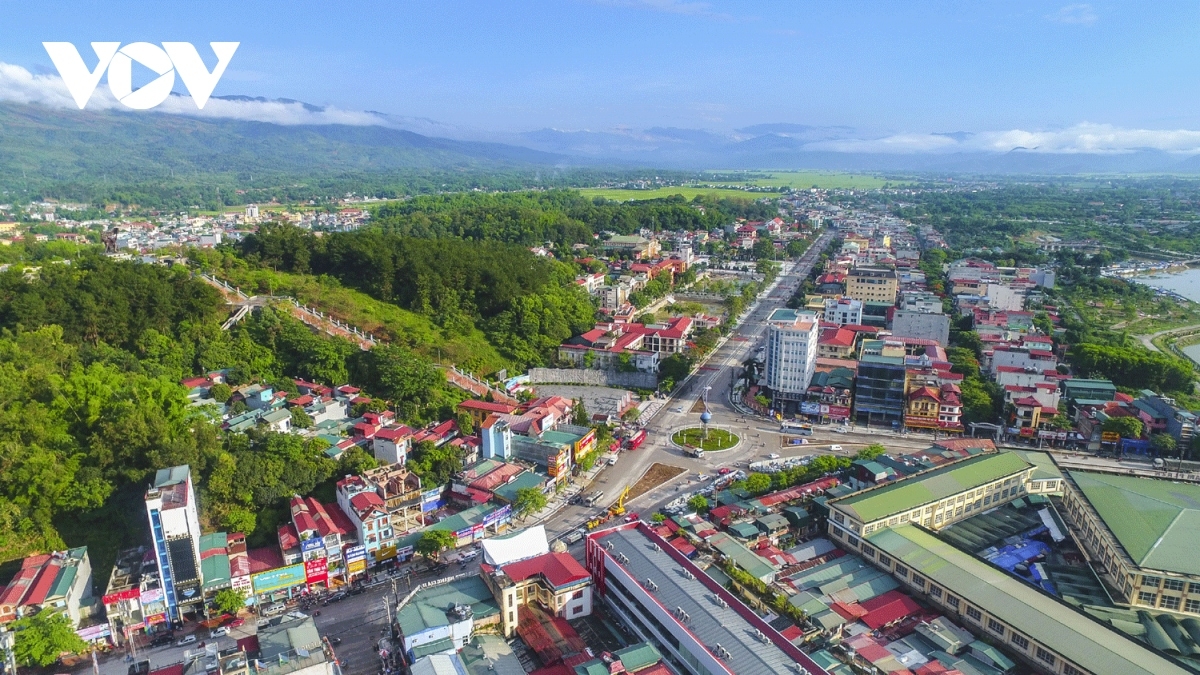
(175,527)
(791,354)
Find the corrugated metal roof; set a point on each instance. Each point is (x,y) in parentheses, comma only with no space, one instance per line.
(1156,521)
(924,488)
(1085,642)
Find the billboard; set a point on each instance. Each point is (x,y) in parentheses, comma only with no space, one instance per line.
(431,500)
(114,598)
(839,412)
(1110,437)
(384,553)
(356,566)
(810,408)
(316,571)
(152,595)
(470,532)
(498,515)
(93,633)
(280,577)
(354,553)
(309,545)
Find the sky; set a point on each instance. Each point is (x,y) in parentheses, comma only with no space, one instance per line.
(1070,76)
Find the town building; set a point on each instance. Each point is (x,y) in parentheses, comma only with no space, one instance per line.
(879,395)
(924,325)
(639,247)
(441,619)
(1140,535)
(133,600)
(791,353)
(698,626)
(175,528)
(933,498)
(59,581)
(520,572)
(1046,633)
(843,311)
(872,284)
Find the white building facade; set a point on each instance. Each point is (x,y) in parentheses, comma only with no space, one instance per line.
(791,353)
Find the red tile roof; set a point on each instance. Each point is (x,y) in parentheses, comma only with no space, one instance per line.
(559,569)
(889,607)
(288,538)
(487,406)
(263,559)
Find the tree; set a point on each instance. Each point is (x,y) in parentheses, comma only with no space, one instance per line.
(229,600)
(300,419)
(239,519)
(657,518)
(43,637)
(675,367)
(632,414)
(355,462)
(434,464)
(433,542)
(466,423)
(870,452)
(1163,444)
(529,500)
(758,483)
(579,414)
(1127,427)
(220,392)
(698,503)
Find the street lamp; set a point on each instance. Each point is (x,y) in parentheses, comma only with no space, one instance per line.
(706,415)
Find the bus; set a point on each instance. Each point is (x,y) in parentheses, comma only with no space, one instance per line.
(794,427)
(635,440)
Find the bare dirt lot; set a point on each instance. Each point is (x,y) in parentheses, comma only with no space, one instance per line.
(656,475)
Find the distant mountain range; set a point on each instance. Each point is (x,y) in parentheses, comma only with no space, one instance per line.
(64,145)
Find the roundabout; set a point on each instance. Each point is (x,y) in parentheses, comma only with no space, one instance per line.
(694,437)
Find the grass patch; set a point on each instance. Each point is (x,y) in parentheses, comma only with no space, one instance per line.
(718,439)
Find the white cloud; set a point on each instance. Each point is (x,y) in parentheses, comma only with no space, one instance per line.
(1084,138)
(701,9)
(1078,14)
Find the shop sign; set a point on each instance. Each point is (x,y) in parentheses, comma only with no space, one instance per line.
(278,578)
(316,571)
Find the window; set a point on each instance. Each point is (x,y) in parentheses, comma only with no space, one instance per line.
(577,595)
(935,591)
(952,600)
(1020,641)
(868,551)
(1193,587)
(578,610)
(1192,606)
(918,581)
(1170,602)
(1044,656)
(1147,598)
(996,627)
(901,571)
(1172,584)
(974,613)
(884,560)
(1069,669)
(852,541)
(1150,582)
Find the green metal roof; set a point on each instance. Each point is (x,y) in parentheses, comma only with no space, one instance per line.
(1157,522)
(744,530)
(525,479)
(639,656)
(1085,642)
(427,609)
(924,488)
(743,557)
(215,570)
(445,644)
(1044,467)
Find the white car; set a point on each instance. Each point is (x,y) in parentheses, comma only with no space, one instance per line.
(841,430)
(773,455)
(835,448)
(677,409)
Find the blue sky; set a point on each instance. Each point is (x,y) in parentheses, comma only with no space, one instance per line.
(880,67)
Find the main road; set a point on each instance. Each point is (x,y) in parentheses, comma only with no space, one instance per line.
(759,436)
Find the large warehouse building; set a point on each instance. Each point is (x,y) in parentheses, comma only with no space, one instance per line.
(700,628)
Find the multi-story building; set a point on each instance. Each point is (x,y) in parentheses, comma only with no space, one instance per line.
(879,389)
(843,311)
(556,581)
(1043,631)
(59,581)
(791,353)
(175,528)
(872,284)
(698,626)
(1140,534)
(914,324)
(365,508)
(932,499)
(400,491)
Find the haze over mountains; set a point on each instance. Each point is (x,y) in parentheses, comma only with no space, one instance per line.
(247,135)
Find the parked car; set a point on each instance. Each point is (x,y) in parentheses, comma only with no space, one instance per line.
(186,640)
(274,608)
(835,448)
(724,470)
(237,622)
(219,631)
(773,455)
(469,555)
(263,623)
(162,640)
(632,517)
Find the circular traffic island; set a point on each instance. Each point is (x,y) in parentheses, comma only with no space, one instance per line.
(693,437)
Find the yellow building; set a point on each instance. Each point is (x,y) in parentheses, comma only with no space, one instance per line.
(872,284)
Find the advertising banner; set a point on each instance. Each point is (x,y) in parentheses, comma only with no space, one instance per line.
(1110,437)
(240,583)
(839,412)
(151,596)
(384,553)
(156,618)
(810,408)
(356,566)
(310,545)
(431,500)
(316,572)
(127,594)
(354,553)
(404,553)
(278,578)
(93,633)
(497,516)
